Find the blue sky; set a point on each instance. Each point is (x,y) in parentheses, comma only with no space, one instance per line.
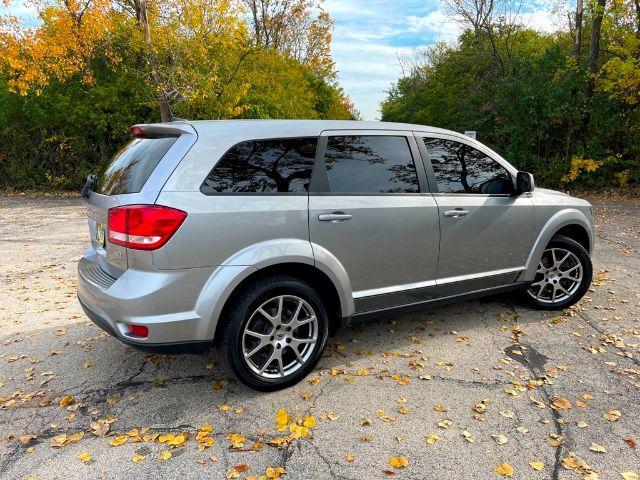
(370,34)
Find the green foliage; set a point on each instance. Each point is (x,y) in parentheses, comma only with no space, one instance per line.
(68,115)
(530,101)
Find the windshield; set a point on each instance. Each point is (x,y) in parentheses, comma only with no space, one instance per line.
(130,168)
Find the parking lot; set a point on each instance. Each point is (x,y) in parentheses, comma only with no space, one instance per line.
(481,389)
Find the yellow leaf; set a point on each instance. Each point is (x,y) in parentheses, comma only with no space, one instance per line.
(237,440)
(399,462)
(282,418)
(137,458)
(84,457)
(224,408)
(309,422)
(66,401)
(630,476)
(597,448)
(504,469)
(561,403)
(274,472)
(539,466)
(440,408)
(166,455)
(116,442)
(612,415)
(432,438)
(177,440)
(349,457)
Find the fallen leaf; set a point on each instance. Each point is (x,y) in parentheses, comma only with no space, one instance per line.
(467,436)
(116,442)
(500,439)
(282,418)
(309,422)
(505,469)
(84,457)
(432,438)
(137,458)
(440,408)
(237,440)
(612,415)
(349,457)
(539,466)
(597,448)
(66,401)
(166,455)
(631,442)
(399,462)
(274,472)
(630,476)
(561,403)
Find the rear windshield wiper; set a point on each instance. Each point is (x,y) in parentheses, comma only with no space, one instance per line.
(91,179)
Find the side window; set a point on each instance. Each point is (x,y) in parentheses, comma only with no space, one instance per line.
(460,168)
(264,166)
(370,164)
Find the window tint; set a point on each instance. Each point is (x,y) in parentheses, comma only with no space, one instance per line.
(264,166)
(460,168)
(132,165)
(370,164)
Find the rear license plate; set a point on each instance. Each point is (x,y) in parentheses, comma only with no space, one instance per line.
(100,234)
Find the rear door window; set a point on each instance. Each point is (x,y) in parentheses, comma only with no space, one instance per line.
(370,164)
(132,165)
(264,166)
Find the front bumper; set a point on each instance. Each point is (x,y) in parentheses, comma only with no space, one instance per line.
(165,302)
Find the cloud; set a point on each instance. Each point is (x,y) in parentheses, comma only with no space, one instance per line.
(371,34)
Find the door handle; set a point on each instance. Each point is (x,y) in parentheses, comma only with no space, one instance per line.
(334,217)
(457,213)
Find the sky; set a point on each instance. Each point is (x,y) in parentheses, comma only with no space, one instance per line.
(370,35)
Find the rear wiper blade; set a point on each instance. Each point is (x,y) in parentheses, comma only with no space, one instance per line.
(91,179)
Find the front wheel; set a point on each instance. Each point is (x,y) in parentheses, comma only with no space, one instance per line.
(275,333)
(563,275)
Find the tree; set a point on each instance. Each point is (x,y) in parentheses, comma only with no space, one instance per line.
(290,27)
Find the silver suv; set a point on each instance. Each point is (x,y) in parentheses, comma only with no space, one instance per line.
(266,236)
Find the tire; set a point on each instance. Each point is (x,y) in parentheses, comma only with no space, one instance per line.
(274,336)
(562,283)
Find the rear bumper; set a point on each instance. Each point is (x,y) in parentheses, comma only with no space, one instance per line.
(165,302)
(200,346)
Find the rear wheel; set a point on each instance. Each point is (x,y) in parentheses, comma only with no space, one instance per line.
(275,333)
(563,275)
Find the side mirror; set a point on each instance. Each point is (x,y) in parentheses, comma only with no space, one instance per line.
(524,183)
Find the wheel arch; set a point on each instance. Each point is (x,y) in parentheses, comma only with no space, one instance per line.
(290,257)
(568,222)
(309,274)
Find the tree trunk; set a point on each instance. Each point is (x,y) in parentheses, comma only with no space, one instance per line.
(165,111)
(577,42)
(596,34)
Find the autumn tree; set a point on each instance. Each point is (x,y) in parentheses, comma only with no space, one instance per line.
(292,27)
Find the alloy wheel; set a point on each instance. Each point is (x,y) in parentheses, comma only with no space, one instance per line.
(558,276)
(280,336)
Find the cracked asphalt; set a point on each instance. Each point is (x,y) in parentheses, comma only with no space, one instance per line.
(492,368)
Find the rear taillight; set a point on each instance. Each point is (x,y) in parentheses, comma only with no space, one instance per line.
(143,227)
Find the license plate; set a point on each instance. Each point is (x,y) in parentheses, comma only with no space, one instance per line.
(100,234)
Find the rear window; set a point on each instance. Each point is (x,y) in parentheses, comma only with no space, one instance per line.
(370,164)
(132,165)
(264,166)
